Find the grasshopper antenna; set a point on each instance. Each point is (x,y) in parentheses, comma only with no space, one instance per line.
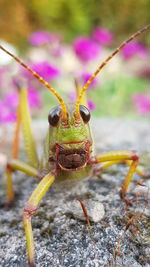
(77,113)
(41,80)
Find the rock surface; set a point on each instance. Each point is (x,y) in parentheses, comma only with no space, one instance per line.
(61,238)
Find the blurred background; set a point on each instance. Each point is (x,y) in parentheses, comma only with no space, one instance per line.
(67,40)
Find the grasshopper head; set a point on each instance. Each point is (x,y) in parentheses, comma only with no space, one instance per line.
(71,142)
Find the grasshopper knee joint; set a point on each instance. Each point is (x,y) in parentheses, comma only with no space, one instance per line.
(29,211)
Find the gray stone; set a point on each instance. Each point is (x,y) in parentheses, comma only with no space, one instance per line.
(62,239)
(95,210)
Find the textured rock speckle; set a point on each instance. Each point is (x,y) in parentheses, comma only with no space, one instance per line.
(61,239)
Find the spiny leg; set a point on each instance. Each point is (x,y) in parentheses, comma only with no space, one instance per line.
(30,210)
(12,165)
(9,186)
(86,216)
(138,170)
(108,164)
(121,155)
(15,145)
(23,119)
(29,142)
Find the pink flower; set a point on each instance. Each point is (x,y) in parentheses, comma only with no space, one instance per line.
(86,49)
(34,98)
(102,36)
(42,37)
(73,97)
(44,69)
(134,48)
(91,105)
(86,77)
(57,51)
(142,102)
(9,104)
(7,114)
(11,99)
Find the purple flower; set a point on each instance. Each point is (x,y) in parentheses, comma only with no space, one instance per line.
(44,69)
(11,99)
(86,77)
(134,48)
(6,113)
(91,105)
(142,102)
(86,49)
(34,98)
(72,96)
(9,104)
(57,51)
(102,36)
(42,37)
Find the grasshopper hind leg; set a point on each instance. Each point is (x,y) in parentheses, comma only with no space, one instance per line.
(123,156)
(99,170)
(24,122)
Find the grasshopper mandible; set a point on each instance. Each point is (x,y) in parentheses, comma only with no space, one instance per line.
(68,152)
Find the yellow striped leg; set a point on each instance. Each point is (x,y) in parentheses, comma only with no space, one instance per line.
(30,210)
(12,165)
(30,147)
(107,164)
(15,144)
(23,119)
(14,153)
(9,186)
(121,155)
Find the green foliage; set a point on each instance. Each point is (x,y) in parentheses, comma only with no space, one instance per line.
(71,18)
(75,17)
(114,98)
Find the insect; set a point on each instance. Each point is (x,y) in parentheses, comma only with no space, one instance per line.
(68,152)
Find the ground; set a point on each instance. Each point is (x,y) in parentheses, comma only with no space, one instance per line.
(61,235)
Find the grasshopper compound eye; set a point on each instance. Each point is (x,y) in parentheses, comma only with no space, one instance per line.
(85,113)
(54,116)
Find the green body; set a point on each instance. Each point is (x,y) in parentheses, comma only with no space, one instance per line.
(61,135)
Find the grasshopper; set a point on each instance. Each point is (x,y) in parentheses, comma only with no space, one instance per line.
(68,150)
